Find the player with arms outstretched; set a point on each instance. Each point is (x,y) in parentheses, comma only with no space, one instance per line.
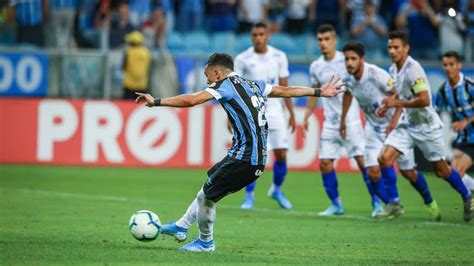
(369,84)
(419,125)
(244,102)
(264,62)
(321,70)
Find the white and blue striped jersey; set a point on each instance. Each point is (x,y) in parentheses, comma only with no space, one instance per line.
(244,102)
(459,100)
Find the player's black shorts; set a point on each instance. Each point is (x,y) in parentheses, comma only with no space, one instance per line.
(229,176)
(466,148)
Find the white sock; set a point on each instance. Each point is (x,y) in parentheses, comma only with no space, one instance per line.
(206,216)
(468,181)
(190,216)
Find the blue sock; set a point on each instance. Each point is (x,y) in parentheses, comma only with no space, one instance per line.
(250,188)
(369,185)
(422,187)
(381,190)
(279,174)
(390,178)
(454,179)
(330,185)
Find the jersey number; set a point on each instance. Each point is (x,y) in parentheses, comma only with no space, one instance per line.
(259,104)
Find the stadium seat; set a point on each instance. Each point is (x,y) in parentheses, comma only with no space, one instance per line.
(242,42)
(223,42)
(175,42)
(197,42)
(287,44)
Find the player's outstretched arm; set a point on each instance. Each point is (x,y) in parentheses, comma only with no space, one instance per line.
(180,101)
(330,89)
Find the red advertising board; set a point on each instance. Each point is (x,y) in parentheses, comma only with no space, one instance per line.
(119,133)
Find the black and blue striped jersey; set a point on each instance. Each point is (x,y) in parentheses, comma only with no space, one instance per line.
(244,102)
(460,102)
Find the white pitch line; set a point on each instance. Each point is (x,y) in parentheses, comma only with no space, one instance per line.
(228,207)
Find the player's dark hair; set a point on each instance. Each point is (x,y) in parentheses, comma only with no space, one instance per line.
(326,28)
(354,46)
(396,34)
(260,25)
(453,54)
(221,59)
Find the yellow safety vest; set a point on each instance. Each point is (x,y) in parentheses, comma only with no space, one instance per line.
(137,64)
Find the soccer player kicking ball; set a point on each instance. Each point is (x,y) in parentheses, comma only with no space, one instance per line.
(457,96)
(369,84)
(331,63)
(420,125)
(264,62)
(244,102)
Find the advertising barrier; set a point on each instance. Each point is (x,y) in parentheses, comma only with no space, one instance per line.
(23,74)
(119,133)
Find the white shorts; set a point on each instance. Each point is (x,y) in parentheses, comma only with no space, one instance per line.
(374,142)
(331,142)
(429,140)
(277,133)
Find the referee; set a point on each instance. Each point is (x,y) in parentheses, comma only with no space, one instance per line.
(456,95)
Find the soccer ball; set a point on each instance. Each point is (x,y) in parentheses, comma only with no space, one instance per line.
(144,225)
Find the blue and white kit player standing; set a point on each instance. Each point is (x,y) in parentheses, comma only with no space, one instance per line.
(264,62)
(330,63)
(419,125)
(456,95)
(369,84)
(244,102)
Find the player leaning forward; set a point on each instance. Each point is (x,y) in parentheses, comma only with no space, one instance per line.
(420,125)
(369,84)
(244,102)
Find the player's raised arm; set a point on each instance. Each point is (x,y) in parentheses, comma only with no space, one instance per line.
(180,101)
(331,89)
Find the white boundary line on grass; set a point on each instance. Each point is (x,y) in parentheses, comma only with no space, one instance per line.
(284,212)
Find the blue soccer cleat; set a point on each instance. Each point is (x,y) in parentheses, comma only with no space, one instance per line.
(171,229)
(198,245)
(377,209)
(247,204)
(281,199)
(332,210)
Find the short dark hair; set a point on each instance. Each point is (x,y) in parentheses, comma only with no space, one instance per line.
(396,34)
(453,54)
(354,46)
(369,3)
(221,59)
(326,28)
(260,25)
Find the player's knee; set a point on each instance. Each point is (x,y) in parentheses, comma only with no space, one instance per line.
(201,197)
(384,160)
(326,166)
(442,170)
(410,175)
(374,173)
(280,157)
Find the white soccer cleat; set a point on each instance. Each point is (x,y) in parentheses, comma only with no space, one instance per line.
(332,210)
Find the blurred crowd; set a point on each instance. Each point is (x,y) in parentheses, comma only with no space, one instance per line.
(434,26)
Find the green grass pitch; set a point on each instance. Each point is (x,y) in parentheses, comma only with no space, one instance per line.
(73,215)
